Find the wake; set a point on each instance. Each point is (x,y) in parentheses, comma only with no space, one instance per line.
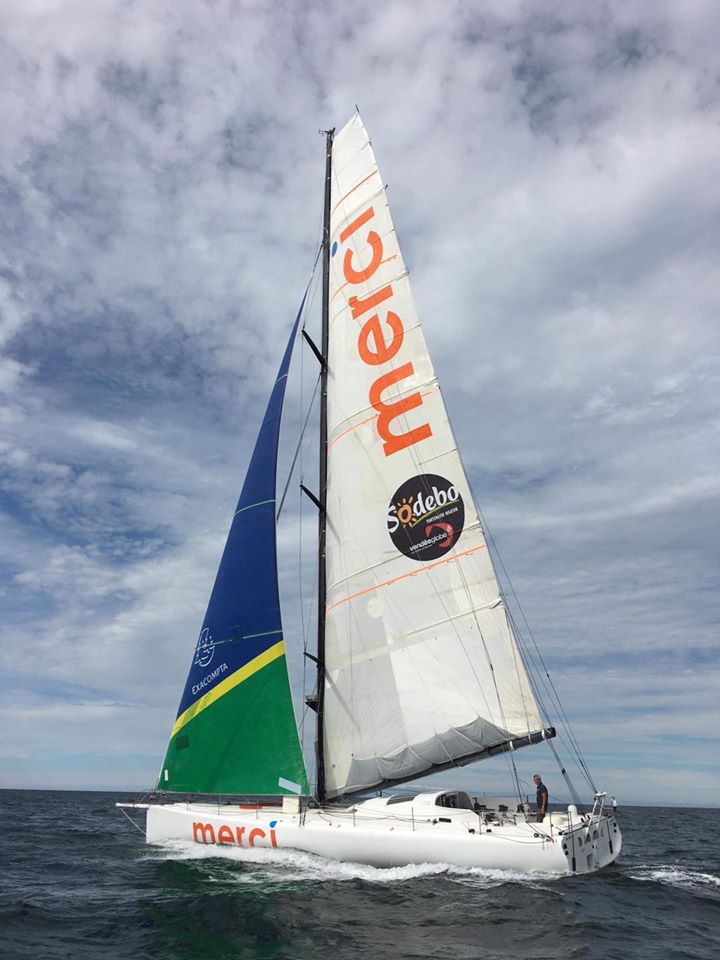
(278,865)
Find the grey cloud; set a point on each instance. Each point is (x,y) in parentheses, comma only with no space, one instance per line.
(552,176)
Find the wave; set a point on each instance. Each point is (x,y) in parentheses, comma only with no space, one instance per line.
(293,865)
(678,876)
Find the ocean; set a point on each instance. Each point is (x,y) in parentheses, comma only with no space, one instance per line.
(78,881)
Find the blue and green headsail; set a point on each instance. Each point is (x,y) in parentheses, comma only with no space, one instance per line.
(235,731)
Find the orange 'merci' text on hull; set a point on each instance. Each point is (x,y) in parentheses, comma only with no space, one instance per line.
(237,836)
(379,342)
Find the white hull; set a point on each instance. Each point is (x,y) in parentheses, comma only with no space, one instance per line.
(402,833)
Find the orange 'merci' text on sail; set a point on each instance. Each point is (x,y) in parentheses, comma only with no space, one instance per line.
(379,341)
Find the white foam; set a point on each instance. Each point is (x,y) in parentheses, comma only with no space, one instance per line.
(292,865)
(493,878)
(678,877)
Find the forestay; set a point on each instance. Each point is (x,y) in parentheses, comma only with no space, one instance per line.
(421,666)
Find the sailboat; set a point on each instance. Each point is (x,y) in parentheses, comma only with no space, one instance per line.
(419,667)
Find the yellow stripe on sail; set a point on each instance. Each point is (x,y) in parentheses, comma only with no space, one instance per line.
(225,686)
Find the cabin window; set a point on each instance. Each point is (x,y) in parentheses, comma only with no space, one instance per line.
(457,800)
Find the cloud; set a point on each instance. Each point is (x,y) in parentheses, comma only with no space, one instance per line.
(552,175)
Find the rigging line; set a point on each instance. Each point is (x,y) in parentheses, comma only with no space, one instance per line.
(552,688)
(471,604)
(564,730)
(508,755)
(570,785)
(567,748)
(521,671)
(535,676)
(136,825)
(574,760)
(525,654)
(306,309)
(561,739)
(513,651)
(311,299)
(318,242)
(533,672)
(297,448)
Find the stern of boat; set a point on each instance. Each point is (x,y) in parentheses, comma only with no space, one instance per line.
(589,841)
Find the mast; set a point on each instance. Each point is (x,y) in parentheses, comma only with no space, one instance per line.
(320,741)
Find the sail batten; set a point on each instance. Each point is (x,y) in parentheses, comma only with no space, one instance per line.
(421,669)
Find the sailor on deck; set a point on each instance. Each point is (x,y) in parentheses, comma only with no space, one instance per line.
(542,798)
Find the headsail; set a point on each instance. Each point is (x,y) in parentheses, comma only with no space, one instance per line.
(235,730)
(421,668)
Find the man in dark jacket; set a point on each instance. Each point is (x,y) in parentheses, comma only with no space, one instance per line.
(542,798)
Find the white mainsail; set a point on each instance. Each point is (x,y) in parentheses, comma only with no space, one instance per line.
(421,665)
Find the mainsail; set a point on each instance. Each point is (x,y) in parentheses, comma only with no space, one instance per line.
(421,668)
(235,730)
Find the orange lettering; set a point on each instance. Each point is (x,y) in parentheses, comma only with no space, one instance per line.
(225,835)
(358,306)
(380,351)
(387,412)
(206,829)
(257,832)
(356,224)
(357,276)
(379,342)
(239,831)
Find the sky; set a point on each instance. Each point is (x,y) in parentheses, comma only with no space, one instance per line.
(553,175)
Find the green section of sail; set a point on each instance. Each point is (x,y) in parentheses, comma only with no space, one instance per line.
(216,752)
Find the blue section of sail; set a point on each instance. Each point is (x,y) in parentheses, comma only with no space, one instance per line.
(243,615)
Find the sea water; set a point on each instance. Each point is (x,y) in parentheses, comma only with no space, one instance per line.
(78,881)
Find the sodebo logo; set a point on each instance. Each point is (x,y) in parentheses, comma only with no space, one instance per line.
(380,341)
(426,517)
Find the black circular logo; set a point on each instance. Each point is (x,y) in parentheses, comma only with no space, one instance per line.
(426,517)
